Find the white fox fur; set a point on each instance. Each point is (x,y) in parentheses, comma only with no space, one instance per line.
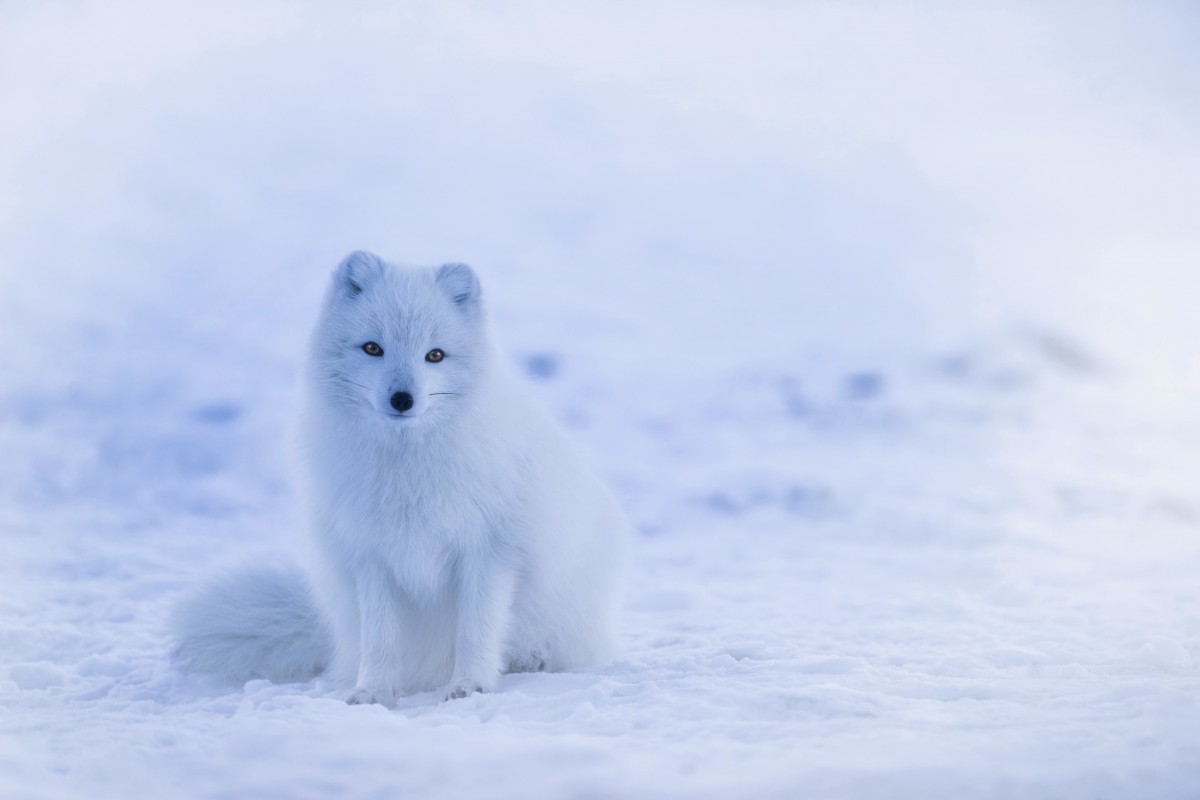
(456,539)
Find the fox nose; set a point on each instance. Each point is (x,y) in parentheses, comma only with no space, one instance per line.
(402,401)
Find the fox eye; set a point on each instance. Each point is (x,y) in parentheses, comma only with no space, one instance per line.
(434,356)
(372,349)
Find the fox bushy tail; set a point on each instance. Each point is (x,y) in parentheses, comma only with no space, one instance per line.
(260,622)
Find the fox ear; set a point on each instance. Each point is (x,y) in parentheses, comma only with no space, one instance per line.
(459,281)
(357,270)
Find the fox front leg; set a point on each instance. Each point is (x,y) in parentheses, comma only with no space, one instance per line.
(484,611)
(380,609)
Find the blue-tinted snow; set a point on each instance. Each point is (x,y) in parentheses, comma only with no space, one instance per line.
(879,318)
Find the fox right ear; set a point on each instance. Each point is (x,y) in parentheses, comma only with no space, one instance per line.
(356,271)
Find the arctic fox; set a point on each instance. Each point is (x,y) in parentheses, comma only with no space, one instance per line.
(457,534)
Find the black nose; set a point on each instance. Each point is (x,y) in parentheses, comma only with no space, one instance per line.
(402,401)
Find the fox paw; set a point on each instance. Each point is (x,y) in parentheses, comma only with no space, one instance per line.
(460,689)
(528,663)
(363,697)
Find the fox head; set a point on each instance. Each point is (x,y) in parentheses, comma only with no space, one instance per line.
(406,345)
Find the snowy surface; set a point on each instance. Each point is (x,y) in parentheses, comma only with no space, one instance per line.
(879,318)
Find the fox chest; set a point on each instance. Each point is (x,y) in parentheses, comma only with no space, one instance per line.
(421,535)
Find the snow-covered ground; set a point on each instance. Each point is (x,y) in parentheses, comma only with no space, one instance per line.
(879,318)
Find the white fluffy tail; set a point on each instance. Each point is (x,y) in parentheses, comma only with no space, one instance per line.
(261,622)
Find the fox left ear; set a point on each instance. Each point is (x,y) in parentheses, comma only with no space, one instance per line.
(459,281)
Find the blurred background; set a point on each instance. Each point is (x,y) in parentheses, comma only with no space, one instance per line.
(733,182)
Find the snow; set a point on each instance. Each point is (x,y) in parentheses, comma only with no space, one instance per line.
(878,317)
